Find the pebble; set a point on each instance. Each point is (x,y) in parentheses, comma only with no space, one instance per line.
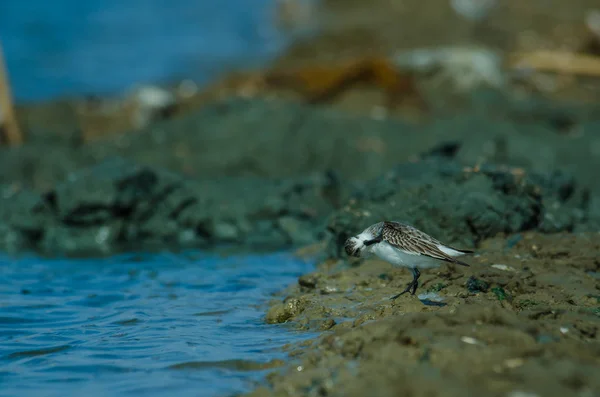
(503,267)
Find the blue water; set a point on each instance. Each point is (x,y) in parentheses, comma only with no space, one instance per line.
(147,325)
(150,325)
(72,47)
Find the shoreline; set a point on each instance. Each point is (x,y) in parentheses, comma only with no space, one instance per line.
(490,329)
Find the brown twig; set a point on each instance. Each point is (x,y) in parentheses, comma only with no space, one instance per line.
(8,120)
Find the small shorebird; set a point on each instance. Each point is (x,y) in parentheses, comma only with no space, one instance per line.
(403,245)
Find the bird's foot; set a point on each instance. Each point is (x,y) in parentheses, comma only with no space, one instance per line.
(411,286)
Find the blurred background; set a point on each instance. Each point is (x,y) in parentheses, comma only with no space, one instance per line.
(69,48)
(342,53)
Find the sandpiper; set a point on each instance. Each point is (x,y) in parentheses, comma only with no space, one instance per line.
(403,245)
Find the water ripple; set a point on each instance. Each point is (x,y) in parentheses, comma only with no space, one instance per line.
(140,324)
(38,352)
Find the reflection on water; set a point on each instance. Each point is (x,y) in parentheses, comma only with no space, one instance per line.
(140,324)
(68,47)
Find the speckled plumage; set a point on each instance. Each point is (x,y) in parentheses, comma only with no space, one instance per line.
(412,240)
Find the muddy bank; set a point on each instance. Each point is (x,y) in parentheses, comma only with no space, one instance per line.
(275,138)
(523,319)
(258,173)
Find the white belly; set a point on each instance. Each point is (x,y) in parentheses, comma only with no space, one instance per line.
(397,257)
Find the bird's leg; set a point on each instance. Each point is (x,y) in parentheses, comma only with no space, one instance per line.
(415,282)
(412,285)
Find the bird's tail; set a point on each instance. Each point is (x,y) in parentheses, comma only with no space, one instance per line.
(463,251)
(448,250)
(456,261)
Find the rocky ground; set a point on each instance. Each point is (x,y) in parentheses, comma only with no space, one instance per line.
(522,320)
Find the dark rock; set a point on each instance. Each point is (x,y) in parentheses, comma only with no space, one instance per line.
(297,231)
(225,231)
(461,206)
(309,281)
(11,240)
(118,203)
(24,218)
(475,285)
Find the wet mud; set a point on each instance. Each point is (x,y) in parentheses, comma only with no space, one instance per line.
(523,319)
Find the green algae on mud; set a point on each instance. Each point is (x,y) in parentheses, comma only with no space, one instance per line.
(543,340)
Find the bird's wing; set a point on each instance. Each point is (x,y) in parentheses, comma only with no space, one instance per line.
(415,242)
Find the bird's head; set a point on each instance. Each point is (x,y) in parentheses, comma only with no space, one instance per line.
(355,246)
